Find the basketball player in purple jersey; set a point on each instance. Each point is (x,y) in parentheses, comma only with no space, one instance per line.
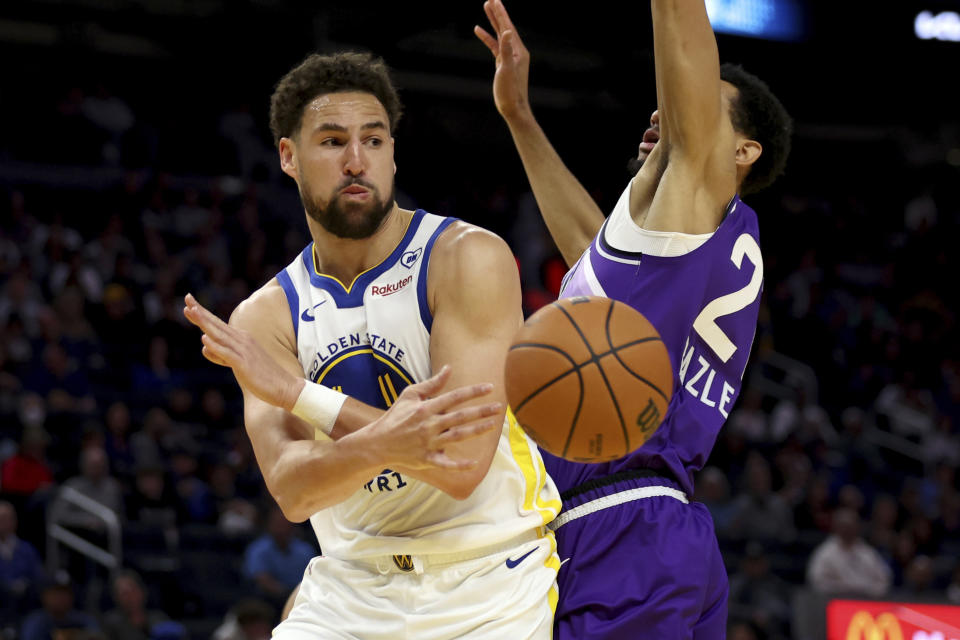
(641,560)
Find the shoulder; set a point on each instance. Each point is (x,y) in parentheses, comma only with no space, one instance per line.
(266,315)
(261,306)
(465,244)
(473,273)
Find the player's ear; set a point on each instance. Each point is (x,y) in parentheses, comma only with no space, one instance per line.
(288,158)
(748,151)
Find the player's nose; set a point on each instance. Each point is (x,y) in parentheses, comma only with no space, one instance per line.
(353,158)
(655,118)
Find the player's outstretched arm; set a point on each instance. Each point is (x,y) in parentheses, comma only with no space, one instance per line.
(687,65)
(305,475)
(572,216)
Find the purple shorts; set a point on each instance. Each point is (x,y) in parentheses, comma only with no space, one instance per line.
(646,568)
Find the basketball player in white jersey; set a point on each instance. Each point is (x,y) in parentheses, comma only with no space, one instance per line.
(432,523)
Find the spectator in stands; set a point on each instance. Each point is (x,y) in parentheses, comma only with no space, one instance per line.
(117,440)
(844,564)
(759,513)
(196,499)
(249,619)
(235,515)
(862,459)
(20,569)
(62,381)
(130,619)
(813,513)
(749,419)
(919,581)
(95,483)
(758,595)
(152,502)
(908,408)
(27,471)
(884,519)
(713,490)
(800,417)
(275,561)
(57,612)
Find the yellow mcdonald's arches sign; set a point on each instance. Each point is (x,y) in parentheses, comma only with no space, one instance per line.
(864,626)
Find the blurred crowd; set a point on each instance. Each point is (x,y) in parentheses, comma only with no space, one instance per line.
(835,474)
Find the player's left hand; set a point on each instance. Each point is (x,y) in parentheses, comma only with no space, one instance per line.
(253,367)
(510,82)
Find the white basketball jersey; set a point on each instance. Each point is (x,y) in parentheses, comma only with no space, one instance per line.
(369,340)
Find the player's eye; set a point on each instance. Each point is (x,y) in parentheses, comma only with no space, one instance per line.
(330,142)
(375,142)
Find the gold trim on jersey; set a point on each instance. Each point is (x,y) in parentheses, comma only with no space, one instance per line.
(316,269)
(534,476)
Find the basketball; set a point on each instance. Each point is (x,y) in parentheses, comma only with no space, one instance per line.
(588,378)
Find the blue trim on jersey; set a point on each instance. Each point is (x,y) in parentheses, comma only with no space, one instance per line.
(425,316)
(293,298)
(636,255)
(345,299)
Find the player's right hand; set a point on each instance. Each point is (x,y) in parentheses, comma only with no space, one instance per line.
(510,82)
(253,367)
(416,429)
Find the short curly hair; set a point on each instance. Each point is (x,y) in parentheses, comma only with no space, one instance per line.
(319,75)
(758,114)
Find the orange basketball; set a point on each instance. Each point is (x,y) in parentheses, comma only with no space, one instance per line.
(588,378)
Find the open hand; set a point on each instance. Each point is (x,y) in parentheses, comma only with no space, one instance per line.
(255,370)
(417,428)
(510,82)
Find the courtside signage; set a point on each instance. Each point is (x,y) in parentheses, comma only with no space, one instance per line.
(871,620)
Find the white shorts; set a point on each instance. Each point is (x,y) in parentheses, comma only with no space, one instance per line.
(508,592)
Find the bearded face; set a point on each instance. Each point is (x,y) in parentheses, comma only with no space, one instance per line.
(355,209)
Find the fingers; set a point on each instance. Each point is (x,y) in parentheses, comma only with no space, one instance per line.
(488,40)
(447,421)
(491,15)
(197,314)
(431,385)
(465,432)
(506,44)
(443,461)
(216,352)
(502,17)
(208,354)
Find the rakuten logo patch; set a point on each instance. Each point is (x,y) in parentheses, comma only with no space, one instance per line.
(389,289)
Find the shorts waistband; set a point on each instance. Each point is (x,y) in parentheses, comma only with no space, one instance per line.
(614,499)
(418,563)
(616,482)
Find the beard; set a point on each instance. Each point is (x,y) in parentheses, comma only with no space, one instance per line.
(353,220)
(634,164)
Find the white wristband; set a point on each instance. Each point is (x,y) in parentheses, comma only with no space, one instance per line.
(319,406)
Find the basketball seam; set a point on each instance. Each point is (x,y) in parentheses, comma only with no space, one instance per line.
(638,376)
(573,369)
(596,360)
(624,365)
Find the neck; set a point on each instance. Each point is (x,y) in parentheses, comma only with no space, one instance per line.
(345,259)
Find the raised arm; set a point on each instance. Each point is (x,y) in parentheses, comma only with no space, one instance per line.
(571,215)
(302,473)
(688,77)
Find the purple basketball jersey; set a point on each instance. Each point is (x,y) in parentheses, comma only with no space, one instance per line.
(704,303)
